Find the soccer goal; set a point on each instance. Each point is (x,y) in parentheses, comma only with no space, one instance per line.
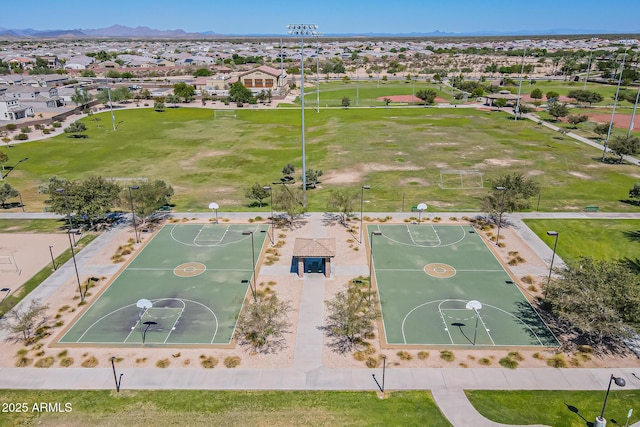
(8,264)
(461,179)
(221,114)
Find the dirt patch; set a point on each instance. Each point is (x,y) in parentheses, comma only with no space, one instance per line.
(579,175)
(409,181)
(619,121)
(349,177)
(379,167)
(409,98)
(534,173)
(188,163)
(500,162)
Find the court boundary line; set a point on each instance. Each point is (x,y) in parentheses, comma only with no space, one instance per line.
(414,245)
(215,333)
(255,231)
(425,246)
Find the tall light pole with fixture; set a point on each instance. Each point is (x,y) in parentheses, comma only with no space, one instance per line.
(115,377)
(373,233)
(520,85)
(253,256)
(601,420)
(273,224)
(73,253)
(503,190)
(133,214)
(303,30)
(53,260)
(113,117)
(12,169)
(555,245)
(584,87)
(633,114)
(318,72)
(364,187)
(613,111)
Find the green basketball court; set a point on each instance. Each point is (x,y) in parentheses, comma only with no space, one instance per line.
(442,285)
(196,277)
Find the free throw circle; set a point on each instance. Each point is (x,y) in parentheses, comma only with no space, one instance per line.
(440,271)
(189,269)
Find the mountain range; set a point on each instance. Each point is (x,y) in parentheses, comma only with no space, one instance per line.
(120,31)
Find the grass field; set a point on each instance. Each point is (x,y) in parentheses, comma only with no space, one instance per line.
(598,238)
(197,277)
(32,225)
(228,408)
(396,152)
(555,408)
(427,274)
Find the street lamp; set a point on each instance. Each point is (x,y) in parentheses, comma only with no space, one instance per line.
(21,204)
(364,187)
(53,261)
(613,111)
(113,117)
(520,85)
(633,114)
(555,245)
(318,71)
(303,30)
(373,233)
(115,377)
(73,253)
(273,225)
(600,420)
(501,210)
(13,168)
(133,214)
(253,256)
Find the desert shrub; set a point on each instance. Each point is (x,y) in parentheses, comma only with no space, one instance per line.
(64,308)
(209,362)
(373,362)
(45,362)
(404,355)
(22,352)
(39,354)
(23,361)
(186,362)
(508,362)
(585,348)
(11,127)
(65,362)
(232,361)
(558,360)
(463,365)
(63,353)
(359,356)
(423,355)
(90,362)
(163,363)
(141,360)
(25,129)
(532,288)
(485,361)
(176,355)
(56,124)
(21,137)
(516,356)
(447,355)
(538,356)
(527,279)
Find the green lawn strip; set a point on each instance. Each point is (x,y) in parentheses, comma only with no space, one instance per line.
(234,408)
(554,408)
(42,275)
(207,159)
(598,238)
(31,225)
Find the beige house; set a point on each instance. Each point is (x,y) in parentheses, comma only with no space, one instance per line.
(264,78)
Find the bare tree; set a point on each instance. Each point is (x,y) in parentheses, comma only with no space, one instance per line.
(263,324)
(26,326)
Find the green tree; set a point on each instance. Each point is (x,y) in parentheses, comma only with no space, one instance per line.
(477,92)
(346,101)
(81,97)
(552,95)
(256,192)
(289,200)
(76,129)
(6,192)
(172,99)
(145,94)
(601,129)
(342,201)
(239,93)
(88,73)
(634,193)
(500,102)
(576,119)
(536,94)
(263,324)
(158,106)
(25,325)
(202,72)
(585,96)
(312,177)
(121,94)
(4,158)
(288,170)
(351,316)
(184,90)
(427,95)
(558,109)
(518,189)
(148,198)
(624,146)
(600,299)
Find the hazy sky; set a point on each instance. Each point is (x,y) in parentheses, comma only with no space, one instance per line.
(332,16)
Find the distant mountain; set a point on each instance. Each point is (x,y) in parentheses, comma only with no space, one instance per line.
(114,31)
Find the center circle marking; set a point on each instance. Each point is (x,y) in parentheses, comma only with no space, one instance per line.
(189,269)
(440,270)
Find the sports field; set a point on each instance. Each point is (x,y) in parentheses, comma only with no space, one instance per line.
(196,278)
(441,285)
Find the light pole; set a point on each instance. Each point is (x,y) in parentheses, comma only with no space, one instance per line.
(588,69)
(73,253)
(555,245)
(503,190)
(364,187)
(613,111)
(53,261)
(253,256)
(21,204)
(633,115)
(520,85)
(600,420)
(115,377)
(318,71)
(303,30)
(373,233)
(12,169)
(273,224)
(113,117)
(133,214)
